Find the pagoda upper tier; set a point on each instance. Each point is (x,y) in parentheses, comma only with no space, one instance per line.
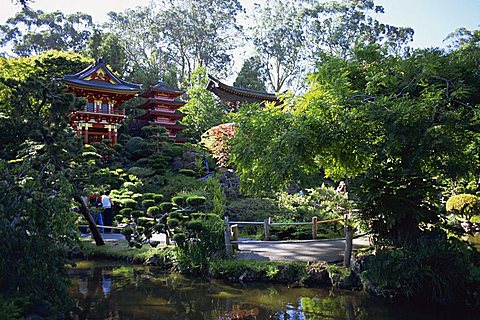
(104,92)
(235,96)
(162,109)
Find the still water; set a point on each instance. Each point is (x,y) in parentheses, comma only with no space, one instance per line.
(106,291)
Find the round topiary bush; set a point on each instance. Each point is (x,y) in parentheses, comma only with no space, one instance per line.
(129,203)
(196,201)
(464,206)
(166,207)
(126,212)
(172,222)
(153,211)
(158,198)
(148,203)
(194,225)
(180,201)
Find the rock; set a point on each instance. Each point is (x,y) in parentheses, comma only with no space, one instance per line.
(318,274)
(344,278)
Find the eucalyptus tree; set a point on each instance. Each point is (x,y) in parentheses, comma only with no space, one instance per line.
(201,33)
(279,40)
(137,31)
(33,32)
(337,27)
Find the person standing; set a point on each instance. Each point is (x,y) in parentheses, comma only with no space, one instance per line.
(107,211)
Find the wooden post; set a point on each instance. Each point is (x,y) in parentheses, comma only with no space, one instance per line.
(228,244)
(266,228)
(348,243)
(91,223)
(235,236)
(314,228)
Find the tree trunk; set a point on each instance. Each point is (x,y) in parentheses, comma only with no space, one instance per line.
(91,223)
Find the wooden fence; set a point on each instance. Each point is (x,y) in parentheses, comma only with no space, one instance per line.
(231,233)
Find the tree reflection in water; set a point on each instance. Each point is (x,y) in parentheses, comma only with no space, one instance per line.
(127,292)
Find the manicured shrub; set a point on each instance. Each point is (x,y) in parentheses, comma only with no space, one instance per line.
(195,201)
(148,203)
(463,205)
(166,207)
(137,213)
(194,225)
(187,172)
(172,222)
(126,212)
(129,203)
(180,201)
(158,198)
(153,211)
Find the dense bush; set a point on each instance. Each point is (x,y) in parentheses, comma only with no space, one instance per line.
(437,269)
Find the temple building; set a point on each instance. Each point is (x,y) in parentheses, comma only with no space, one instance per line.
(100,118)
(162,109)
(235,96)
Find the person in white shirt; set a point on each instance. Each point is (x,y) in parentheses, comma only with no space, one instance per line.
(107,211)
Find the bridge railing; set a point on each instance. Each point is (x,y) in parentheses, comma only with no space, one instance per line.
(231,232)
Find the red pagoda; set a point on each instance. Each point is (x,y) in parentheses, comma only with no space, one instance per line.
(104,92)
(162,109)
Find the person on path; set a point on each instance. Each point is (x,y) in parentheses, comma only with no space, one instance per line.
(94,208)
(107,211)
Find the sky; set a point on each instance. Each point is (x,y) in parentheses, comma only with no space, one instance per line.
(432,20)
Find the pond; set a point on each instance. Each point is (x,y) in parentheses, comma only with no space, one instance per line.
(108,291)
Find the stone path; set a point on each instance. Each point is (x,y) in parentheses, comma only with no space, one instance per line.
(330,250)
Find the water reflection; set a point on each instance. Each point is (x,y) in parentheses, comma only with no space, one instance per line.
(125,292)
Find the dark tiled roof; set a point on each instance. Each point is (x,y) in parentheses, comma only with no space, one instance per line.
(120,85)
(162,86)
(238,94)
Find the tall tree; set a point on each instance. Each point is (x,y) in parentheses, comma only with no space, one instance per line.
(34,32)
(279,41)
(252,75)
(35,189)
(337,27)
(137,31)
(201,33)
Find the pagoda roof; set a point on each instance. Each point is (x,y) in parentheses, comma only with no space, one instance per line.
(157,101)
(238,94)
(161,86)
(99,77)
(174,115)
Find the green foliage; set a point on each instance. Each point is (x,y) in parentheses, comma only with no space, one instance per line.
(250,270)
(195,201)
(465,206)
(187,172)
(437,269)
(202,111)
(166,207)
(393,128)
(251,75)
(216,193)
(33,32)
(153,211)
(148,203)
(175,183)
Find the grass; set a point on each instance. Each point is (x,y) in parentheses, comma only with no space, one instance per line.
(119,250)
